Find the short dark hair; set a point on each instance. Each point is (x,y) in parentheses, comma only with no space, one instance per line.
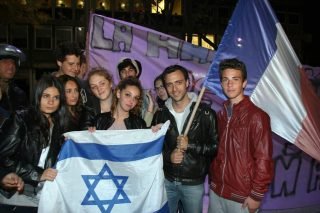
(67,48)
(233,63)
(135,64)
(174,68)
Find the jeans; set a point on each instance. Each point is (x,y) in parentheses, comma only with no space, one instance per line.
(17,209)
(219,204)
(189,195)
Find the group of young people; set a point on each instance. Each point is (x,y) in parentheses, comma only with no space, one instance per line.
(233,146)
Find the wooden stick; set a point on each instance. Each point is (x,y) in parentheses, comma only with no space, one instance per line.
(194,111)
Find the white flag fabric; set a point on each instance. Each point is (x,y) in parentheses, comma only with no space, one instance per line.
(276,80)
(108,171)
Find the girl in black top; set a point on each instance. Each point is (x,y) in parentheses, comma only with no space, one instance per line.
(125,108)
(30,141)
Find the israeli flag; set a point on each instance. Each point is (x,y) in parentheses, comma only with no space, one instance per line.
(108,171)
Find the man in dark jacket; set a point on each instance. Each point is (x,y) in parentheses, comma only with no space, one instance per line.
(242,171)
(11,96)
(186,156)
(68,60)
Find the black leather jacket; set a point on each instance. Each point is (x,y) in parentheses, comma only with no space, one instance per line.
(15,99)
(201,146)
(21,144)
(84,119)
(105,120)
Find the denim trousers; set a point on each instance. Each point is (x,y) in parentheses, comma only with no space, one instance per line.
(191,196)
(17,209)
(219,204)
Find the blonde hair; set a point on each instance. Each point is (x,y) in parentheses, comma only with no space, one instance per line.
(102,72)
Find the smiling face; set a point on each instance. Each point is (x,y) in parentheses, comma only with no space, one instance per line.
(176,85)
(233,84)
(72,93)
(70,66)
(50,101)
(100,86)
(128,98)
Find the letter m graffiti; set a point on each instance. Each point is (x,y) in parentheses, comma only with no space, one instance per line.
(287,168)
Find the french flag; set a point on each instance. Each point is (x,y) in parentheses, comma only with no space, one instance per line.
(277,82)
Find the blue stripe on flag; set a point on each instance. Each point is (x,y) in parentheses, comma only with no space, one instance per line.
(117,153)
(250,36)
(164,209)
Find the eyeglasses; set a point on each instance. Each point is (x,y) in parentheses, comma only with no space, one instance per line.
(159,88)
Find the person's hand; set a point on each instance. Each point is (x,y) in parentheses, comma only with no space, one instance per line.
(182,142)
(251,204)
(157,127)
(151,102)
(49,174)
(92,129)
(12,180)
(176,156)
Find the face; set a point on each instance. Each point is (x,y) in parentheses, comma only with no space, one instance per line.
(82,70)
(72,93)
(176,85)
(50,101)
(128,71)
(70,66)
(7,68)
(160,90)
(232,84)
(100,87)
(128,98)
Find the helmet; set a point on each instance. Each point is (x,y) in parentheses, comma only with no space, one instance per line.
(9,51)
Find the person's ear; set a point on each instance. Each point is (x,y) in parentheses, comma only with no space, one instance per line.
(118,94)
(59,63)
(244,84)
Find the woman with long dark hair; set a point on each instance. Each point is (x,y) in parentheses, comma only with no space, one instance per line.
(30,141)
(161,92)
(78,116)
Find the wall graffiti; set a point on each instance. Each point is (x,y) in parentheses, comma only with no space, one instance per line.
(297,178)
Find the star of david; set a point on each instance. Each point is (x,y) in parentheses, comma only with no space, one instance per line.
(91,198)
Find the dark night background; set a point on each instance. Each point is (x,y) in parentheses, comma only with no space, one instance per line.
(311,27)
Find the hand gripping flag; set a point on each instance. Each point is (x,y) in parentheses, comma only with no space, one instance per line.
(276,80)
(108,171)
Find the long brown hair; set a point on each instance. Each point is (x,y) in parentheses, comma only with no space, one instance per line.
(121,86)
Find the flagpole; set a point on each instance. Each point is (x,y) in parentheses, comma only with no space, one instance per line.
(194,111)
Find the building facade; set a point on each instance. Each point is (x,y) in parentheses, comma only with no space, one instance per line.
(200,22)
